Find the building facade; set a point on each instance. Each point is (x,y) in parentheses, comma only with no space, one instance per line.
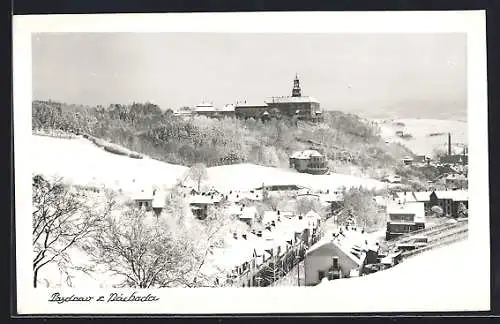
(309,161)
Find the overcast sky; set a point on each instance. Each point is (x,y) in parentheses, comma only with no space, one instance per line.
(372,74)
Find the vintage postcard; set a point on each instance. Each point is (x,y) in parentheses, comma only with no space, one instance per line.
(246,163)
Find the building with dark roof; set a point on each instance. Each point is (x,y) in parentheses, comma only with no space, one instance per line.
(303,107)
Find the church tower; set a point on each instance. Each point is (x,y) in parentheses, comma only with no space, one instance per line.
(296,87)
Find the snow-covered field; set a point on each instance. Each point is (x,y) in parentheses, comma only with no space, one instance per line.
(435,279)
(250,176)
(81,162)
(420,129)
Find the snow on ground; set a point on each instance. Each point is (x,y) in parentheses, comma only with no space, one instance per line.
(81,162)
(51,276)
(250,176)
(422,143)
(431,279)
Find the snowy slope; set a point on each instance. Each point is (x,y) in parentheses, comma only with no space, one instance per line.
(251,176)
(435,279)
(422,143)
(81,162)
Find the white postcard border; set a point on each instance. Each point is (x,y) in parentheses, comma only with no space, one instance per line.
(471,294)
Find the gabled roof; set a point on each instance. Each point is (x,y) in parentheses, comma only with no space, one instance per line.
(143,194)
(306,154)
(249,213)
(199,199)
(286,99)
(313,215)
(455,195)
(159,199)
(254,104)
(411,208)
(204,107)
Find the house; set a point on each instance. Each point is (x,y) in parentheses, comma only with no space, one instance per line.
(246,110)
(450,201)
(348,250)
(309,161)
(456,181)
(454,159)
(414,196)
(404,217)
(159,201)
(313,218)
(144,199)
(199,205)
(407,160)
(248,214)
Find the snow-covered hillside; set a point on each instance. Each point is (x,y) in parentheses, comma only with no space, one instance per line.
(434,280)
(250,176)
(421,130)
(81,162)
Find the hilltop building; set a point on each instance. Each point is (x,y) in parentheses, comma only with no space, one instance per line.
(209,110)
(303,107)
(309,161)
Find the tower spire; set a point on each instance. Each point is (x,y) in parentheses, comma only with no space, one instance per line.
(296,92)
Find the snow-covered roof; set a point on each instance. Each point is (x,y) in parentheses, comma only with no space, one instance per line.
(287,99)
(331,197)
(238,196)
(248,213)
(143,194)
(422,195)
(456,177)
(455,195)
(252,104)
(411,208)
(269,216)
(229,107)
(199,199)
(306,154)
(313,215)
(204,107)
(159,198)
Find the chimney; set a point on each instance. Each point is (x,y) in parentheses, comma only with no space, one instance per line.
(449,143)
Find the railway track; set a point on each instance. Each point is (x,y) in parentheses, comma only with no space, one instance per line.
(430,232)
(445,239)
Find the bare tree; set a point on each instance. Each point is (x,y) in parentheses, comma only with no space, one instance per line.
(304,205)
(197,173)
(158,252)
(139,249)
(61,220)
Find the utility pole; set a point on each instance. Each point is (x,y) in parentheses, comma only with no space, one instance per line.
(298,270)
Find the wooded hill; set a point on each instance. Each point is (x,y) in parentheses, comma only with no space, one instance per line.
(351,144)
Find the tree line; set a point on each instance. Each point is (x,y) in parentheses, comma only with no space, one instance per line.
(147,129)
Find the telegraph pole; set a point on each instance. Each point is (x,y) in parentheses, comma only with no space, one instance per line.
(298,270)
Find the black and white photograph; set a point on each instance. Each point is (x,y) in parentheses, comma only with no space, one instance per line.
(298,168)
